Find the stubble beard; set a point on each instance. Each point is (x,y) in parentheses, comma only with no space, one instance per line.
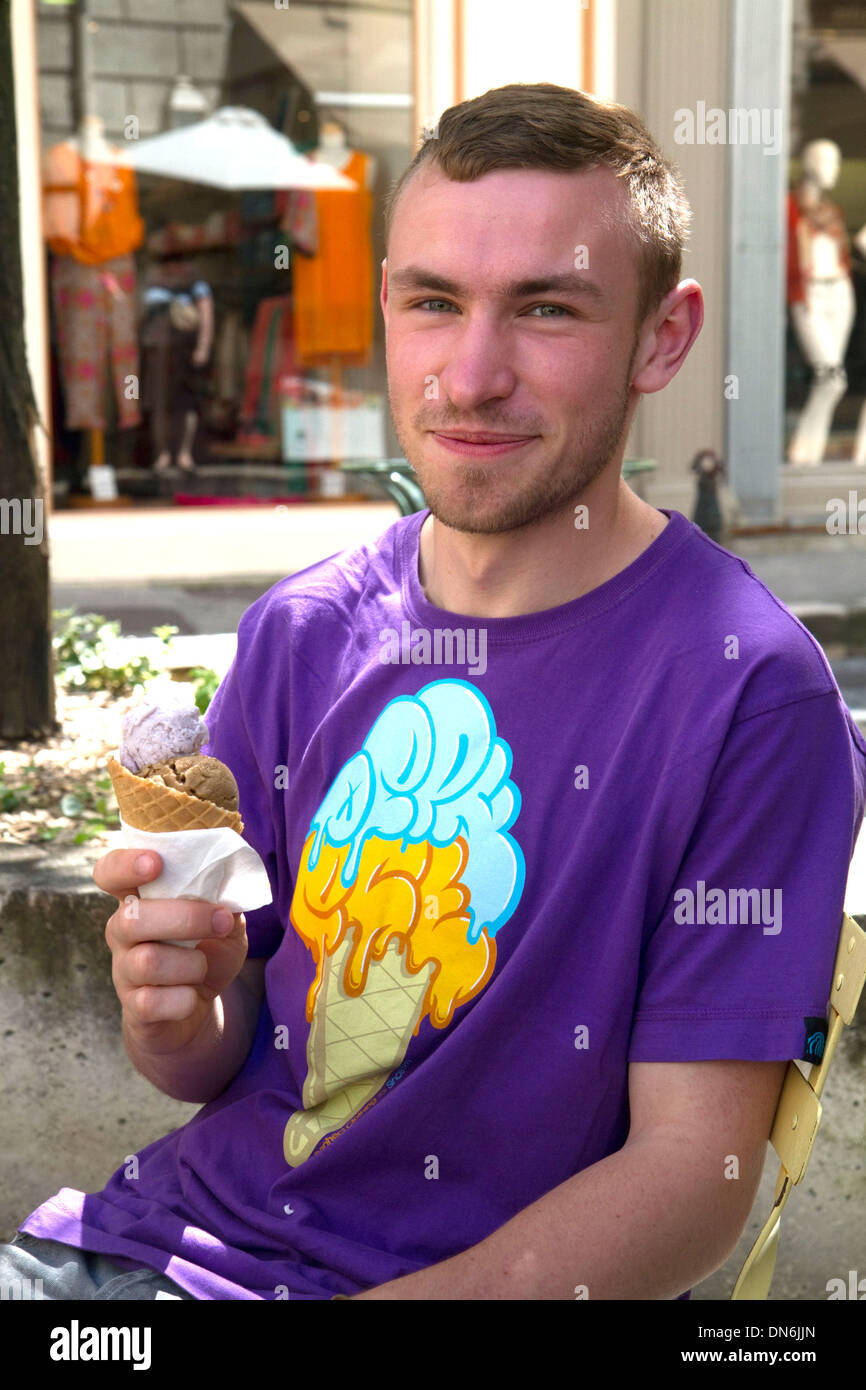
(463,502)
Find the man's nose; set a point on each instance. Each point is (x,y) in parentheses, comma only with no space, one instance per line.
(478,363)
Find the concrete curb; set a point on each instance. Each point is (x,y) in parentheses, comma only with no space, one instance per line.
(74,1109)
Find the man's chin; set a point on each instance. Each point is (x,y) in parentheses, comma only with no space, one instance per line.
(492,517)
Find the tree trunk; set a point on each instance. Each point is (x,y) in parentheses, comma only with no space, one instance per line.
(26,666)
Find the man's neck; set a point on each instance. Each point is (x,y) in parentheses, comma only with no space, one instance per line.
(537,567)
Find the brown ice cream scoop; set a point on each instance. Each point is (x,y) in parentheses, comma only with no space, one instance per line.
(197,775)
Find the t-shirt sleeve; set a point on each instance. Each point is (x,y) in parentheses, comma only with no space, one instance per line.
(742,956)
(242,735)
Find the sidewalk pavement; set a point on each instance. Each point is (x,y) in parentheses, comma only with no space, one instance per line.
(230,547)
(211,544)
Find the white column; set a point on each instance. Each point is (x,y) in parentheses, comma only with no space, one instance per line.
(465,47)
(512,41)
(755,300)
(434,31)
(671,55)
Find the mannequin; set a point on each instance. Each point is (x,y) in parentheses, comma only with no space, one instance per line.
(92,226)
(334,290)
(820,295)
(91,142)
(333,149)
(177,338)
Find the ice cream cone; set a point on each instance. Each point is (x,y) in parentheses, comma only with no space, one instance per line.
(148,806)
(354,1042)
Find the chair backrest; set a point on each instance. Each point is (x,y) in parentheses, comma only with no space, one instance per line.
(798,1113)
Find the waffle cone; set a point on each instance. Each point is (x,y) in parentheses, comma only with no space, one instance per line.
(148,806)
(355,1042)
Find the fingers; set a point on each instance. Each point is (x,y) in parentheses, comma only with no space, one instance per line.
(149,963)
(168,919)
(154,979)
(165,1004)
(121,871)
(155,982)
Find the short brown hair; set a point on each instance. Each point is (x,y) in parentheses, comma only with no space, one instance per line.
(543,126)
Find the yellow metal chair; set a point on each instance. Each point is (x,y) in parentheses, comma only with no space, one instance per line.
(798,1113)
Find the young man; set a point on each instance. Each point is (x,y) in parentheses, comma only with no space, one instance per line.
(556,799)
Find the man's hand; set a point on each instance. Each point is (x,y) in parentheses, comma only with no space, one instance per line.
(168,992)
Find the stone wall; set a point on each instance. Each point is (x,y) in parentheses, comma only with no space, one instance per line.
(72,1107)
(137,51)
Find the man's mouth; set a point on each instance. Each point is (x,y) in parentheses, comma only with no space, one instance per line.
(479,443)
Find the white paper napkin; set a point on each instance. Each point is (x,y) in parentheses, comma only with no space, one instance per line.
(215,866)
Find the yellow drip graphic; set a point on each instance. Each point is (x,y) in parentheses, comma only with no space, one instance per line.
(390,949)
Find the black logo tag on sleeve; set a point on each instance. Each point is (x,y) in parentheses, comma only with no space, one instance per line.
(816,1037)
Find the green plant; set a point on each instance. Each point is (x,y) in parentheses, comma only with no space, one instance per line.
(86,656)
(13,797)
(205,680)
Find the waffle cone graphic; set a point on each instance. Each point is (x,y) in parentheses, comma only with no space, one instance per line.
(355,1042)
(148,806)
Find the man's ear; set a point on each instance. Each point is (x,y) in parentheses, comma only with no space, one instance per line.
(383,292)
(667,337)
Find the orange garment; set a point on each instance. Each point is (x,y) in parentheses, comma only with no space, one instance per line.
(90,209)
(333,290)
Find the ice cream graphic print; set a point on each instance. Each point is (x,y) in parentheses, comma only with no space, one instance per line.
(407,874)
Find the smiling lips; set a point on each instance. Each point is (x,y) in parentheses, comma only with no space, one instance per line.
(480,444)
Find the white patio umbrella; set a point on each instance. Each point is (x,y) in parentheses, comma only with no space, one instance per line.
(235,148)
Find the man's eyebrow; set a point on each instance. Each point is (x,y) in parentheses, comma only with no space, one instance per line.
(415,277)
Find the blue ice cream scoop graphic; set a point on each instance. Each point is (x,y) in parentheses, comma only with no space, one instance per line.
(432,768)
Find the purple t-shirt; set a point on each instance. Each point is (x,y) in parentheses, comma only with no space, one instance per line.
(508,857)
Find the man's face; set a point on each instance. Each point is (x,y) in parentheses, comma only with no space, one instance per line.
(476,341)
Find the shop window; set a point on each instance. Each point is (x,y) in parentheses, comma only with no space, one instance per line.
(826,237)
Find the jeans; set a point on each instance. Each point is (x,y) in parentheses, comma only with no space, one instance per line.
(32,1268)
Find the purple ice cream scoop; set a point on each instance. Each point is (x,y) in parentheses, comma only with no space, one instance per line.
(152,733)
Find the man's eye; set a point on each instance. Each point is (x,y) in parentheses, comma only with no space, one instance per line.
(557,308)
(424,302)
